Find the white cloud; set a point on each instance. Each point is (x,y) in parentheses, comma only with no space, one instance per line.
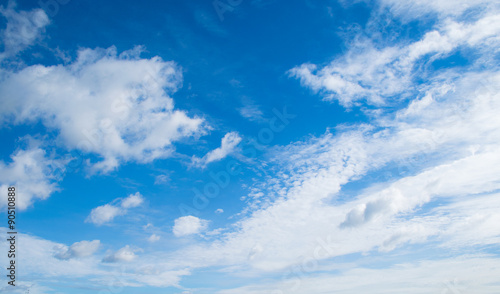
(106,213)
(228,146)
(115,106)
(441,8)
(78,250)
(161,179)
(380,75)
(463,274)
(133,200)
(41,263)
(441,154)
(154,238)
(189,225)
(219,210)
(125,254)
(32,173)
(23,28)
(103,214)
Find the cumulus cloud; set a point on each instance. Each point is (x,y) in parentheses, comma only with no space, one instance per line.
(125,254)
(23,28)
(228,146)
(189,225)
(77,250)
(114,106)
(33,173)
(106,213)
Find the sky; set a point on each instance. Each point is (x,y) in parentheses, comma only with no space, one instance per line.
(251,146)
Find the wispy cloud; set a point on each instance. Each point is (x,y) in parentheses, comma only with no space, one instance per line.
(23,28)
(228,145)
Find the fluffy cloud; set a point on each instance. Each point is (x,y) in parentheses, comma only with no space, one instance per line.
(23,28)
(125,254)
(106,213)
(78,249)
(380,75)
(228,145)
(189,225)
(32,173)
(114,106)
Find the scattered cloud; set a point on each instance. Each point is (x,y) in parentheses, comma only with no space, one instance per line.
(219,210)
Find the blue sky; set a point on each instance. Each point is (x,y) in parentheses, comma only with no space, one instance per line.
(248,147)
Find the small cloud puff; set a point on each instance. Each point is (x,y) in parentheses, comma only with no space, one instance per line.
(106,213)
(189,225)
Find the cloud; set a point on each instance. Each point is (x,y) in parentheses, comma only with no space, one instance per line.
(106,213)
(154,238)
(462,274)
(251,112)
(439,8)
(23,28)
(81,264)
(124,254)
(118,108)
(162,179)
(132,201)
(189,225)
(33,174)
(103,214)
(78,250)
(228,146)
(381,75)
(425,173)
(219,210)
